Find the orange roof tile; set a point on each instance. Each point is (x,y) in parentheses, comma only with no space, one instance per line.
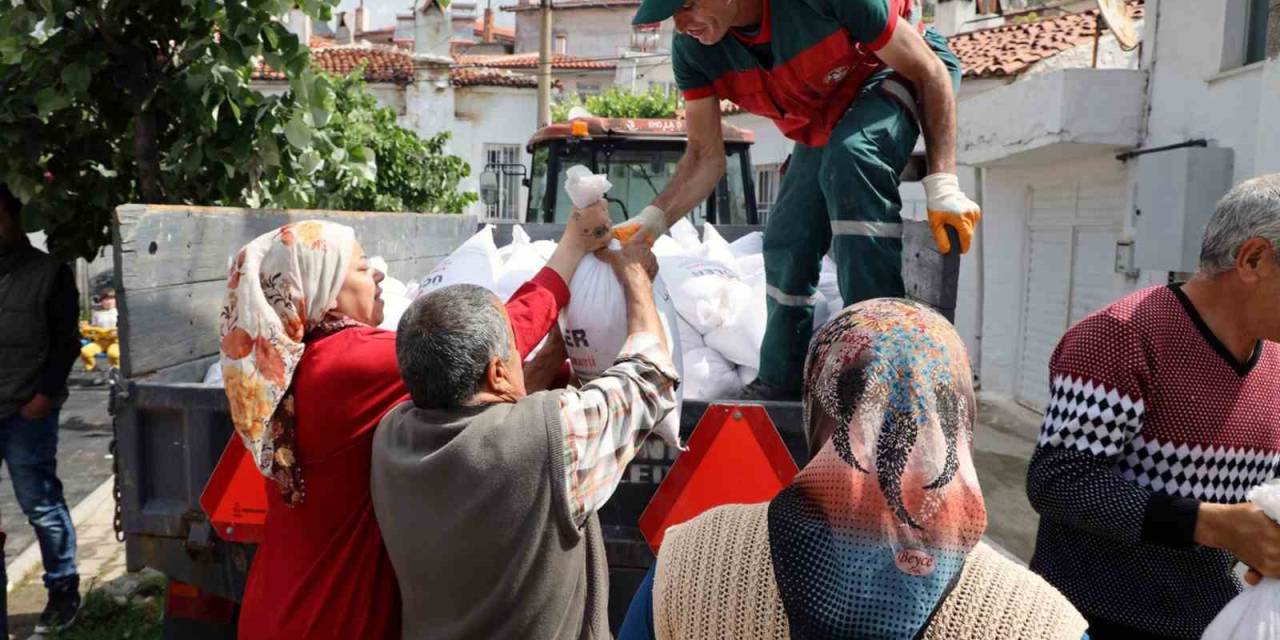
(489,77)
(530,61)
(380,64)
(572,4)
(388,64)
(1010,49)
(500,34)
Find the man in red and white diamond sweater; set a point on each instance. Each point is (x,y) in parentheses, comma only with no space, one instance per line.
(1165,411)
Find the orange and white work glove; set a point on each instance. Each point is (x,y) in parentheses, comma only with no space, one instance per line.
(652,221)
(948,206)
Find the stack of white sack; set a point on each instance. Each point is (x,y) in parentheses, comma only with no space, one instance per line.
(712,291)
(720,293)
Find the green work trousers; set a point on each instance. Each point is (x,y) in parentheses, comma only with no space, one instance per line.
(842,197)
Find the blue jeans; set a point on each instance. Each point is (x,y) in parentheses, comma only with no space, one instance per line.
(30,449)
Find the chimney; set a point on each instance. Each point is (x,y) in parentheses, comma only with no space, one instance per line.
(488,24)
(950,16)
(362,20)
(403,36)
(431,29)
(300,25)
(344,34)
(464,20)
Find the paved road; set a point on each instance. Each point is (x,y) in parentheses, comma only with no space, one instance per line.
(1003,442)
(83,462)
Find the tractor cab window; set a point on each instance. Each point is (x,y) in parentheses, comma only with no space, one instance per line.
(638,172)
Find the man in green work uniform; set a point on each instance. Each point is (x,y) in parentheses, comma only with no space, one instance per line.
(853,83)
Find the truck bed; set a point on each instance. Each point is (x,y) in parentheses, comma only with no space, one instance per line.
(172,429)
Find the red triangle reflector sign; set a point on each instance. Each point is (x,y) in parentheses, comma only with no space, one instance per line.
(235,498)
(735,456)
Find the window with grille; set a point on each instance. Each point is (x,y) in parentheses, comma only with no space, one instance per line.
(504,160)
(768,179)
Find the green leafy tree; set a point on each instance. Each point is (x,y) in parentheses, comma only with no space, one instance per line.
(617,102)
(411,174)
(106,101)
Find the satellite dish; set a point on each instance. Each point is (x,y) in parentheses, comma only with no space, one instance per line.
(1116,15)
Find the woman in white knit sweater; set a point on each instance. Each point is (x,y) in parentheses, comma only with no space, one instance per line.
(879,535)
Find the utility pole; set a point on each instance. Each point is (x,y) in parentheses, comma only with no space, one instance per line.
(544,66)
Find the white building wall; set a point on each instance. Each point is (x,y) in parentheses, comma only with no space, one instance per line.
(640,71)
(492,115)
(1198,89)
(771,147)
(595,32)
(429,102)
(1110,56)
(1006,205)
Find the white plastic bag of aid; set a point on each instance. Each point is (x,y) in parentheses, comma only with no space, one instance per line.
(707,293)
(708,376)
(595,328)
(475,262)
(1255,613)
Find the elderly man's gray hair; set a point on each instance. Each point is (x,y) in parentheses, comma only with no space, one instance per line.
(1250,210)
(445,341)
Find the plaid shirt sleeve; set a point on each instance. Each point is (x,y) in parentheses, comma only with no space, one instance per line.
(607,420)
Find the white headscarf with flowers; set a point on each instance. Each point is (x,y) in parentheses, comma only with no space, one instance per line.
(283,286)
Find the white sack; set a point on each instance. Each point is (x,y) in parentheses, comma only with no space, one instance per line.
(393,287)
(828,281)
(708,294)
(522,264)
(475,262)
(519,240)
(739,340)
(708,376)
(595,328)
(750,244)
(1255,613)
(393,307)
(747,375)
(751,268)
(716,249)
(690,339)
(685,234)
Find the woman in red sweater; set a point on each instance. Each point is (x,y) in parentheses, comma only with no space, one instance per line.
(309,376)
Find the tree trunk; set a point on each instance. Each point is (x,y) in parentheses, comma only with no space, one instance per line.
(146,155)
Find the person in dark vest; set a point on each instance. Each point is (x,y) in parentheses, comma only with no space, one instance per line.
(40,312)
(487,496)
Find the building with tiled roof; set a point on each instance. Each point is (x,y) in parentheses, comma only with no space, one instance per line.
(560,5)
(530,61)
(490,77)
(381,64)
(1011,49)
(395,66)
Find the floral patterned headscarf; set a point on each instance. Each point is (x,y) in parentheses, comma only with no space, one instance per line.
(873,532)
(282,289)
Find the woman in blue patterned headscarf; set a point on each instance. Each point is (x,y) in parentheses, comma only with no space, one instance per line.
(879,535)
